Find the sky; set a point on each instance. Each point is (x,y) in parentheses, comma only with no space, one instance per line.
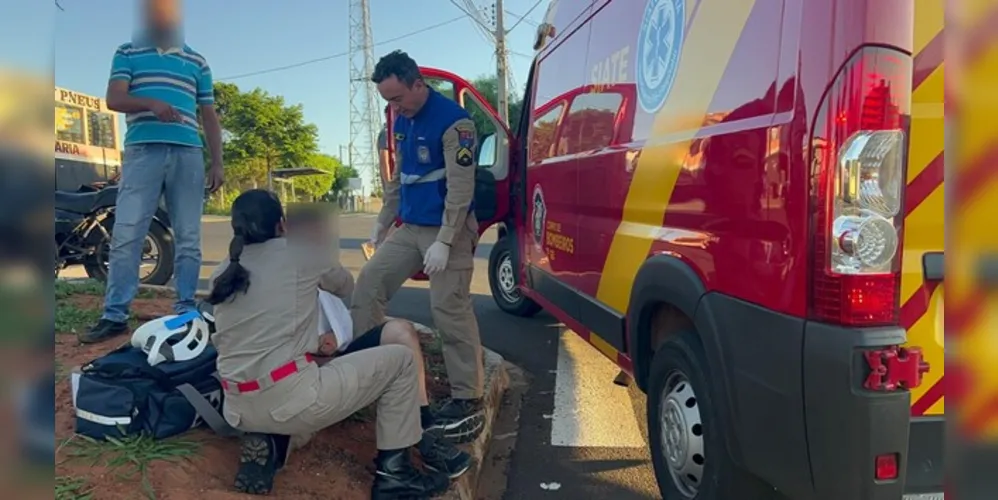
(259,35)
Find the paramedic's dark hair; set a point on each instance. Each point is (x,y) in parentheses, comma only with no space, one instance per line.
(255,216)
(399,65)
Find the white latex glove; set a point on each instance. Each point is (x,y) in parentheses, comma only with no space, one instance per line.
(378,233)
(436,258)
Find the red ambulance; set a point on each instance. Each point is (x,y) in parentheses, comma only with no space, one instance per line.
(725,198)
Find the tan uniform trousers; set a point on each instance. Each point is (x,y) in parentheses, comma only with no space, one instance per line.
(394,262)
(318,397)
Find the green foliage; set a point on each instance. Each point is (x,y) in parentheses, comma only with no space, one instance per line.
(72,319)
(261,132)
(488,86)
(130,456)
(72,488)
(342,176)
(220,202)
(316,186)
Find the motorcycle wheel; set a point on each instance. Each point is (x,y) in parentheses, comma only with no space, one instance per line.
(159,238)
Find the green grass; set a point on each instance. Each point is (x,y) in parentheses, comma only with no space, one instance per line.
(65,289)
(211,209)
(72,319)
(435,346)
(129,457)
(72,488)
(433,349)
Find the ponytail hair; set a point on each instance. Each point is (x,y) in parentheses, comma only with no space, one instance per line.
(235,277)
(256,217)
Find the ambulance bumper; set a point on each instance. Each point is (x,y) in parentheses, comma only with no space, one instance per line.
(848,427)
(796,411)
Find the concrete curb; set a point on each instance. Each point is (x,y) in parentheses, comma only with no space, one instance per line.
(496,384)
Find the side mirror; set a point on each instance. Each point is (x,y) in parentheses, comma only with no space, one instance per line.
(487,151)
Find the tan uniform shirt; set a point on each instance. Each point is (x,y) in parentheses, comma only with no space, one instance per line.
(276,320)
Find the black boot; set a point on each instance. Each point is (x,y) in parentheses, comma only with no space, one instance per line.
(441,456)
(262,455)
(396,478)
(461,420)
(103,330)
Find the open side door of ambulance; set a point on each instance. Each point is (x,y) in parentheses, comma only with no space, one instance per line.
(493,149)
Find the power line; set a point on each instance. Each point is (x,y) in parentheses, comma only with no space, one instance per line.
(522,19)
(341,54)
(477,19)
(538,2)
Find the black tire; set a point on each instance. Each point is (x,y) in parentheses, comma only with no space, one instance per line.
(511,301)
(96,266)
(677,362)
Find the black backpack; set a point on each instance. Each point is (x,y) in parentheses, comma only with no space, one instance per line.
(120,395)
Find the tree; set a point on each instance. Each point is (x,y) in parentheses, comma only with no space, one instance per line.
(316,186)
(342,176)
(488,86)
(262,133)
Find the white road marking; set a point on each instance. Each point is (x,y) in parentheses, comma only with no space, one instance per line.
(589,409)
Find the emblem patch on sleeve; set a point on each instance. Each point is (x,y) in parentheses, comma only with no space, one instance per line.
(466,138)
(464,157)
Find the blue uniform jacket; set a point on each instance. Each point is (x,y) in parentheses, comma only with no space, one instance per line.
(440,137)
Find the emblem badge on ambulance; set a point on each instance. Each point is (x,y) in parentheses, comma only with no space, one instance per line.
(539,216)
(660,45)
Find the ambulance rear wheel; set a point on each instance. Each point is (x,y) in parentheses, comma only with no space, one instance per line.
(503,282)
(686,440)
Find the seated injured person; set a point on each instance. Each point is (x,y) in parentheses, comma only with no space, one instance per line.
(267,317)
(312,224)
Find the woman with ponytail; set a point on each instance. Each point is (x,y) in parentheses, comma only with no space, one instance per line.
(267,318)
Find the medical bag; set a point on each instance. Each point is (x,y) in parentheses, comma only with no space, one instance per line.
(121,395)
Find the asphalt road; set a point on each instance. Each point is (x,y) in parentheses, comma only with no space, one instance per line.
(579,435)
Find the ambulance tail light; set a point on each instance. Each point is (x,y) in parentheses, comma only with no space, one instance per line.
(858,170)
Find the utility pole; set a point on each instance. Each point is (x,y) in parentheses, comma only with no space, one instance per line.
(490,22)
(502,69)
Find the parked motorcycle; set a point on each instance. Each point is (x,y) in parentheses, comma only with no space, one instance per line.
(83,224)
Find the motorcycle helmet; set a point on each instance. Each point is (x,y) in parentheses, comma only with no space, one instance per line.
(172,338)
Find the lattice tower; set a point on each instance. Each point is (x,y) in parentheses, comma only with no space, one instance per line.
(365,115)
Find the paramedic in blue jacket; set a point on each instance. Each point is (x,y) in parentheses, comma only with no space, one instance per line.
(431,190)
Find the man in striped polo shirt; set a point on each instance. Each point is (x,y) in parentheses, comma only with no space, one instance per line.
(161,84)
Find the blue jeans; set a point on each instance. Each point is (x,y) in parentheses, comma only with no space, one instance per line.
(147,171)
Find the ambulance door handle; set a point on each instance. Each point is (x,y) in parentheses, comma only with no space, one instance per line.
(933,267)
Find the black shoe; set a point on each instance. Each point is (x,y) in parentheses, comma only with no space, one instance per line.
(460,420)
(396,478)
(441,456)
(261,456)
(103,330)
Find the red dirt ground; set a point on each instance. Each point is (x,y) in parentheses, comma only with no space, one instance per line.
(337,463)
